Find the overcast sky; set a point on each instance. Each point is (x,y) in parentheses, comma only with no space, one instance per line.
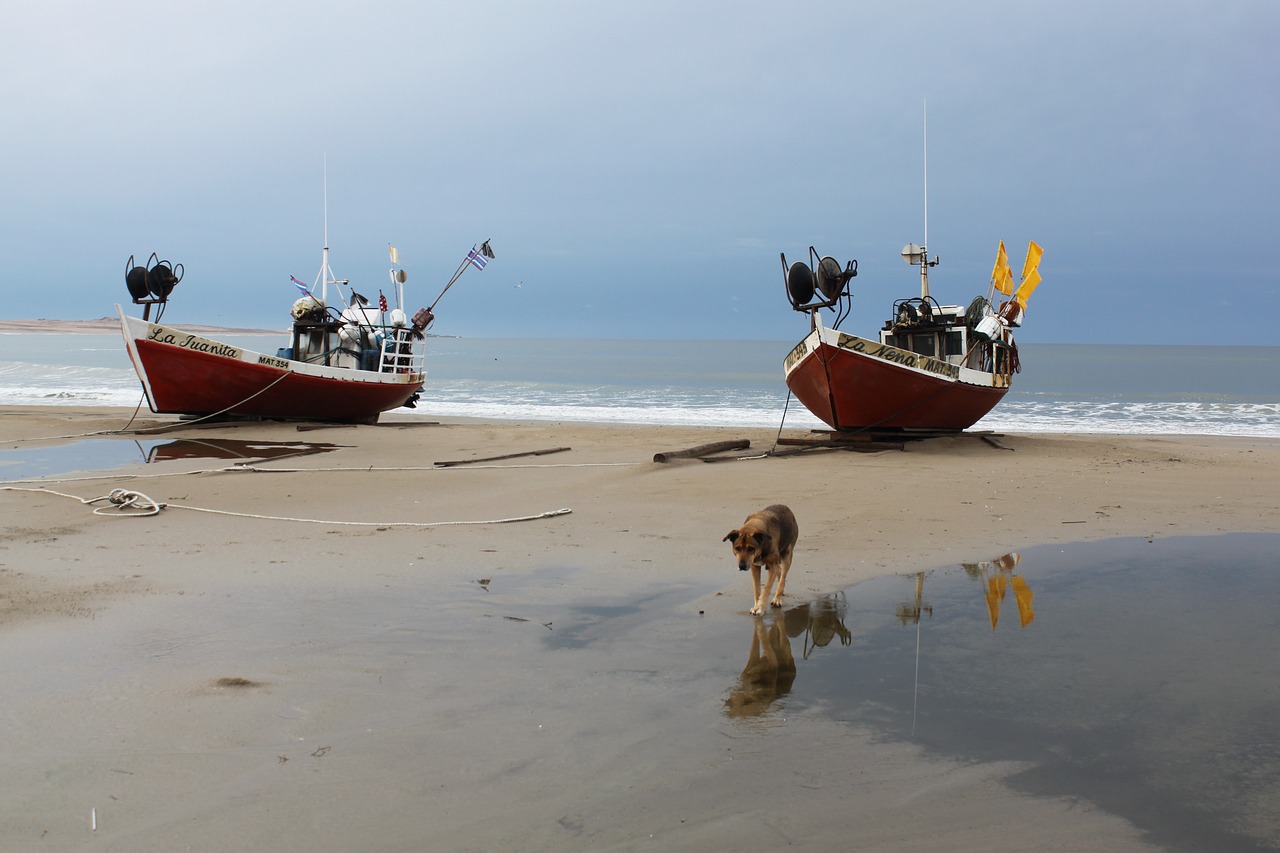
(640,165)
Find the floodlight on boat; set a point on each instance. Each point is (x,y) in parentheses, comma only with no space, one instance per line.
(830,278)
(821,277)
(913,254)
(152,284)
(800,284)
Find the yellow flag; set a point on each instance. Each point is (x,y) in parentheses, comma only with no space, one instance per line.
(1033,259)
(395,256)
(1027,287)
(1001,275)
(1030,274)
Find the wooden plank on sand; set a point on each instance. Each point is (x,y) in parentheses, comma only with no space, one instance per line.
(702,450)
(503,456)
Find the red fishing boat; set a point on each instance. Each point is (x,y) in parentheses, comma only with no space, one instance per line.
(347,364)
(931,368)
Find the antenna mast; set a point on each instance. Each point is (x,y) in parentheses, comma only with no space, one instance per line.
(324,260)
(325,276)
(926,174)
(925,263)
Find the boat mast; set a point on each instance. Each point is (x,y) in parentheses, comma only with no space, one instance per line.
(911,253)
(924,265)
(325,275)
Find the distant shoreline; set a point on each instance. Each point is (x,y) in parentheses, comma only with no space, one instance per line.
(107,325)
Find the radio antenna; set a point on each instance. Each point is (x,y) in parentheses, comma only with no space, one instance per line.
(926,174)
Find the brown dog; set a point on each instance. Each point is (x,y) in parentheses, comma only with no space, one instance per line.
(767,538)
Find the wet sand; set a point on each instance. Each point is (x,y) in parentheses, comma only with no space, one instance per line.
(382,673)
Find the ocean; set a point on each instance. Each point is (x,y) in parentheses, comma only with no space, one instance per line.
(1063,388)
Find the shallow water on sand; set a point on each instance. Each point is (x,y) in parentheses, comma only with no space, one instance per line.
(104,453)
(549,709)
(1138,674)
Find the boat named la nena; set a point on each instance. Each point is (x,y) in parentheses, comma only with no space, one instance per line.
(932,367)
(347,362)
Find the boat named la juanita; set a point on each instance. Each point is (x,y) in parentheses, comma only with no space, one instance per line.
(345,364)
(932,368)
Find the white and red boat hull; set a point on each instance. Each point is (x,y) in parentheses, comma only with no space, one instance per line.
(187,374)
(851,383)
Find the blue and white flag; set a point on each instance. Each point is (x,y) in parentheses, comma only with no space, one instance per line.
(300,285)
(476,258)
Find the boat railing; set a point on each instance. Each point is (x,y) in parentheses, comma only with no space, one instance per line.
(399,355)
(376,348)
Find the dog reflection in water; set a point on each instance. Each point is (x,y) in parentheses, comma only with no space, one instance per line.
(769,672)
(771,665)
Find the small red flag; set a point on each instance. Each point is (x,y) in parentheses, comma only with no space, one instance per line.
(382,302)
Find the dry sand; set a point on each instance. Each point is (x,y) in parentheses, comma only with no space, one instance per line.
(380,675)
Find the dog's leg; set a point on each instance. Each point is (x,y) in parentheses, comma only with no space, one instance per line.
(757,603)
(774,571)
(785,566)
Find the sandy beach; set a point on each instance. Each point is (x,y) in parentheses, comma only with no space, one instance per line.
(360,649)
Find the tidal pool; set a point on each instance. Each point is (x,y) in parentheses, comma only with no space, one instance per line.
(574,709)
(102,454)
(1142,675)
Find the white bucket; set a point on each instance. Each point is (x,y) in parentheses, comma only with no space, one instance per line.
(987,329)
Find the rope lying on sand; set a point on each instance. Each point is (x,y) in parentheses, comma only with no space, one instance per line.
(131,504)
(126,503)
(548,514)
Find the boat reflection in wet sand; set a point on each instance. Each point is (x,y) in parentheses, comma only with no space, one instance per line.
(932,368)
(231,448)
(347,365)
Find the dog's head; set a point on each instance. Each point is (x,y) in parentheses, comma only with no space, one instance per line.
(749,545)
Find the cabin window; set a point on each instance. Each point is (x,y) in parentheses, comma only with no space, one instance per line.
(954,343)
(896,341)
(924,344)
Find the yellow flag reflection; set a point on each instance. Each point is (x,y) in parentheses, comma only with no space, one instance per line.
(994,595)
(1023,595)
(996,577)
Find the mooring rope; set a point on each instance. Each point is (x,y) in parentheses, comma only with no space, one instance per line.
(126,503)
(372,469)
(548,514)
(778,437)
(180,424)
(157,430)
(132,504)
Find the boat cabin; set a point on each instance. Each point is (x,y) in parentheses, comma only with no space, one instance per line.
(357,340)
(924,327)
